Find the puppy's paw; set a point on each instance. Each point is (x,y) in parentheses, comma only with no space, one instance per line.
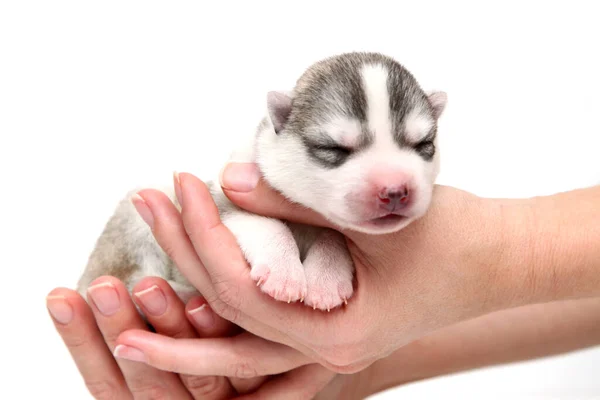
(328,288)
(282,278)
(329,272)
(270,249)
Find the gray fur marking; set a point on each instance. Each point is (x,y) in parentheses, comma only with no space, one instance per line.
(333,88)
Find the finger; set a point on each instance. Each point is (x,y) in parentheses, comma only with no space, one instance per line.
(201,220)
(301,383)
(166,313)
(210,325)
(170,233)
(206,322)
(162,307)
(247,385)
(222,257)
(237,183)
(115,312)
(242,356)
(76,325)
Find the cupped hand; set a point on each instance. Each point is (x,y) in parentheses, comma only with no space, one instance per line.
(89,332)
(441,269)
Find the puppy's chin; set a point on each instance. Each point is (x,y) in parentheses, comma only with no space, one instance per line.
(378,226)
(384,225)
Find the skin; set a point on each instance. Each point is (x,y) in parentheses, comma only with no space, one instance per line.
(508,265)
(89,332)
(506,336)
(467,257)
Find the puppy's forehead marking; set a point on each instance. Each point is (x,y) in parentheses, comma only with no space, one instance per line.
(375,85)
(417,125)
(371,88)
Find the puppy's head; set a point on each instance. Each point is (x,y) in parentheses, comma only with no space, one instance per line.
(356,140)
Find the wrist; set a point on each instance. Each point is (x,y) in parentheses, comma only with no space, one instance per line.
(410,363)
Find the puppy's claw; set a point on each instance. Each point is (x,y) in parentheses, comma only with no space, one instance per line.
(259,282)
(345,301)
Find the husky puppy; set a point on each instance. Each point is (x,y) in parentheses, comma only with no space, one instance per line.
(355,140)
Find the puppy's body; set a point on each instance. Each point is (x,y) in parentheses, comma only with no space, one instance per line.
(354,140)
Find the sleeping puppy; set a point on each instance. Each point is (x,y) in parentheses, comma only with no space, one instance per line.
(355,140)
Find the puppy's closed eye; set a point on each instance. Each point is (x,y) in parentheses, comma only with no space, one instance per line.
(425,148)
(330,153)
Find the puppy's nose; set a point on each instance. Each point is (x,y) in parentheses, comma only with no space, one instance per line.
(393,198)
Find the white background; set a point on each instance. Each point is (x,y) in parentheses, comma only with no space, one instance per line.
(98,97)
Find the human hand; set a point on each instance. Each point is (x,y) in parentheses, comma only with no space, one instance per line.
(90,335)
(509,335)
(441,269)
(90,331)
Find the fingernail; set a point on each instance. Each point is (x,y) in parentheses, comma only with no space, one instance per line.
(203,316)
(60,309)
(129,353)
(105,297)
(239,177)
(153,300)
(177,185)
(142,208)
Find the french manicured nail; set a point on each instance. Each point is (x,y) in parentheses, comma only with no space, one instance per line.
(177,185)
(239,177)
(129,353)
(60,309)
(142,208)
(203,316)
(105,297)
(153,300)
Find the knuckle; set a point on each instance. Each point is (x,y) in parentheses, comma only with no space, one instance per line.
(149,391)
(110,334)
(228,293)
(175,330)
(345,369)
(347,365)
(166,245)
(338,369)
(244,370)
(191,226)
(163,362)
(223,309)
(230,314)
(102,390)
(203,385)
(179,332)
(341,360)
(75,341)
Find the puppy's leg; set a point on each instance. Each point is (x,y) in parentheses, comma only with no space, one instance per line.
(271,251)
(329,271)
(268,246)
(127,250)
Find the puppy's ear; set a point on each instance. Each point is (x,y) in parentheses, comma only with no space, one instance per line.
(438,101)
(279,106)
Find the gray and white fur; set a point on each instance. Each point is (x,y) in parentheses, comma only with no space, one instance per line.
(355,140)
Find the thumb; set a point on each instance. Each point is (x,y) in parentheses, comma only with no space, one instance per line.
(242,183)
